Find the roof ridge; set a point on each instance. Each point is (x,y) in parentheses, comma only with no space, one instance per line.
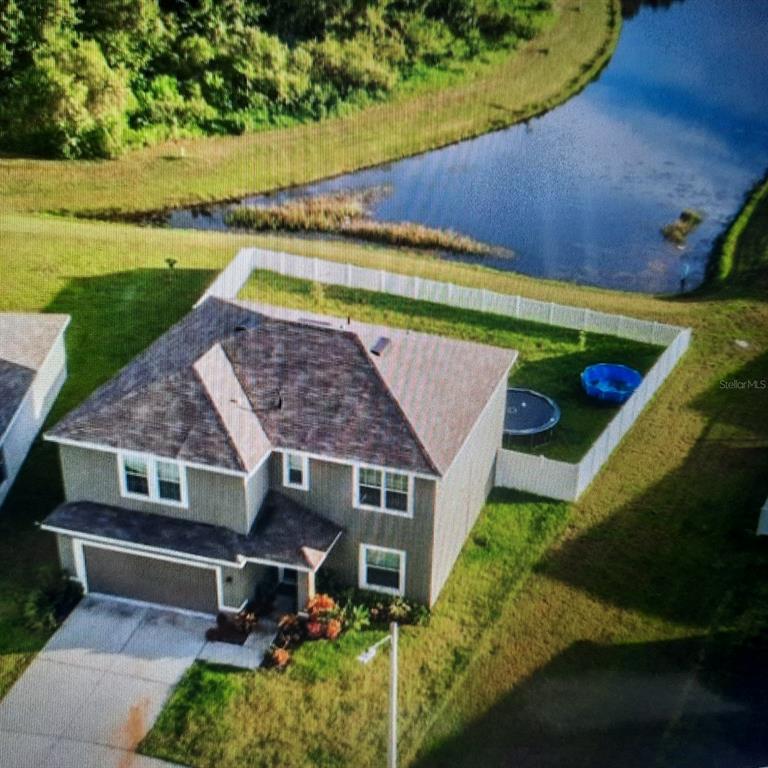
(225,393)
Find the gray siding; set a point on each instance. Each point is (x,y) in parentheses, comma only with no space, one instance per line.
(66,554)
(256,488)
(213,498)
(239,585)
(464,489)
(330,494)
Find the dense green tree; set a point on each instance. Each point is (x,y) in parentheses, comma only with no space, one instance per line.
(129,32)
(84,78)
(68,101)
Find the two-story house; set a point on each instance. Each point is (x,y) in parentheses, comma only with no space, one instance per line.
(254,443)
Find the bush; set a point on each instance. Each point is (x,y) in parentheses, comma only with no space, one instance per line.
(360,609)
(46,607)
(277,658)
(67,103)
(357,617)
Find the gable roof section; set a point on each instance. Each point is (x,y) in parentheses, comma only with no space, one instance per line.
(227,396)
(156,404)
(314,389)
(231,381)
(25,341)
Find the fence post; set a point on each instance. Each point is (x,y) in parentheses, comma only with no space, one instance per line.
(517,306)
(416,285)
(550,312)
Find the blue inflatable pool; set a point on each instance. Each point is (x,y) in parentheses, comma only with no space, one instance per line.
(610,382)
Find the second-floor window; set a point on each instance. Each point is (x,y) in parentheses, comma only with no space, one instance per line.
(136,472)
(154,479)
(296,471)
(169,481)
(383,491)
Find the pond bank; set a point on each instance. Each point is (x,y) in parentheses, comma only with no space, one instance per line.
(507,90)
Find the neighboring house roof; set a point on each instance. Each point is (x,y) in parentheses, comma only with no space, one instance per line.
(25,341)
(285,532)
(229,383)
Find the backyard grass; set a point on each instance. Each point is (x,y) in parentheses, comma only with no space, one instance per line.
(656,568)
(505,90)
(550,358)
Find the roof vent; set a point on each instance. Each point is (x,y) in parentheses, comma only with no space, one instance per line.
(274,400)
(381,345)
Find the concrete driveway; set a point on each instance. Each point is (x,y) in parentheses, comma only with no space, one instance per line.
(94,691)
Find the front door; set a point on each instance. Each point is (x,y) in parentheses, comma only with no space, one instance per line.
(286,576)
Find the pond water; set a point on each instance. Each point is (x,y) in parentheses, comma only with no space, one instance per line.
(678,119)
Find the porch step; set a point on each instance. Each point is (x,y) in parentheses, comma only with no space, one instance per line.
(249,655)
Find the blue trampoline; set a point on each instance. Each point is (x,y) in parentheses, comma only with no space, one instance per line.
(610,382)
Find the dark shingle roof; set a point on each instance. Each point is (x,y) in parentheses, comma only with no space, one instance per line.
(229,383)
(332,399)
(285,532)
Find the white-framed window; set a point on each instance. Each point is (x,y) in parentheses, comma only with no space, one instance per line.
(382,569)
(160,480)
(296,471)
(384,491)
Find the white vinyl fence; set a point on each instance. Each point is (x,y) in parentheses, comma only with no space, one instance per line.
(535,474)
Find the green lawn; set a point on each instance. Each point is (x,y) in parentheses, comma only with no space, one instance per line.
(502,91)
(550,358)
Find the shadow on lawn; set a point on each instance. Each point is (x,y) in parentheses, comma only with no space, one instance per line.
(628,705)
(114,317)
(687,545)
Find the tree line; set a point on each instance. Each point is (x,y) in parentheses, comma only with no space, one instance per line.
(87,78)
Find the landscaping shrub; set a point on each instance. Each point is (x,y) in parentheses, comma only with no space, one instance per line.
(49,604)
(277,658)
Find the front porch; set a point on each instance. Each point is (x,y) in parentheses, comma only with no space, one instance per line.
(194,567)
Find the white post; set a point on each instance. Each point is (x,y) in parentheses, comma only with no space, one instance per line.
(392,746)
